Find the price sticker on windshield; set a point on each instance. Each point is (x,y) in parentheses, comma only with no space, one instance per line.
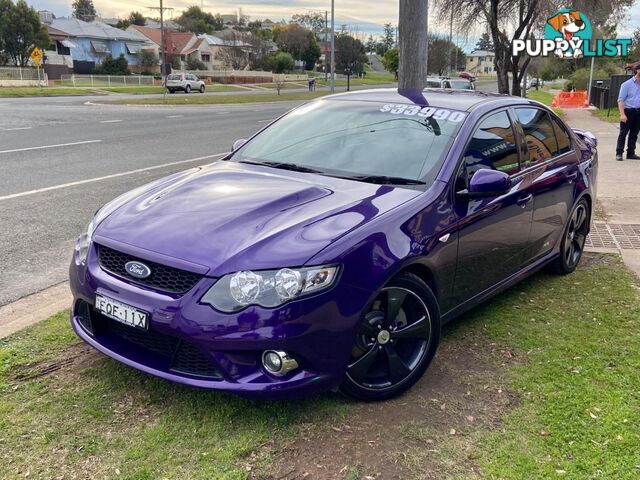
(441,114)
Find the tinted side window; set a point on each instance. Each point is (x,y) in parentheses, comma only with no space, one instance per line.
(492,146)
(539,134)
(564,142)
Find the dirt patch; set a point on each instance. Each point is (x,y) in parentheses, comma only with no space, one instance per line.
(402,438)
(68,362)
(599,213)
(591,260)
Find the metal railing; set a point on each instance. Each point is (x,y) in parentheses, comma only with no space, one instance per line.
(105,80)
(21,73)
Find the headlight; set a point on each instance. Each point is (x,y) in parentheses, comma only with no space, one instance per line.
(83,243)
(269,289)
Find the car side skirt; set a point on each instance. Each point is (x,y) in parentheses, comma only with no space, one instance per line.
(500,287)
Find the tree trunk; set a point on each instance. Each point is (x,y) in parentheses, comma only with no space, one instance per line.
(515,80)
(413,46)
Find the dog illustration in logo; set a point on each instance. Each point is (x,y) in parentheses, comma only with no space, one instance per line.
(568,24)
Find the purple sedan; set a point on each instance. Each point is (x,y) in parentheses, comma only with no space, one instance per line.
(328,250)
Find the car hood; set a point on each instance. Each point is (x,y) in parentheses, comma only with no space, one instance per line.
(229,216)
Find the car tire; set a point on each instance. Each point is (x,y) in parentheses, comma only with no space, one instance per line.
(187,89)
(574,237)
(396,340)
(171,90)
(201,88)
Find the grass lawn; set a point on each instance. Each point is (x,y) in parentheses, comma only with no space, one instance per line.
(541,96)
(569,360)
(43,92)
(195,99)
(613,114)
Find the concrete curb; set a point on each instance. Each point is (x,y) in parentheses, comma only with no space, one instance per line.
(34,308)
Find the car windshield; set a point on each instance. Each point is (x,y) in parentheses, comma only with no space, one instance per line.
(434,84)
(360,140)
(461,84)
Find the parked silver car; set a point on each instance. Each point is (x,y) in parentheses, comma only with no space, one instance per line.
(438,82)
(185,82)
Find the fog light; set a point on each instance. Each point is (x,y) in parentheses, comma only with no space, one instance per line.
(278,363)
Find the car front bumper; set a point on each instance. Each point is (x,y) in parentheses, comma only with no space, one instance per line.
(193,344)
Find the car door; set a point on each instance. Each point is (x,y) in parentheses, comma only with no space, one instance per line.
(492,232)
(550,169)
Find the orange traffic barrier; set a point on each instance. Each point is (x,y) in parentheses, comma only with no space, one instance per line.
(577,99)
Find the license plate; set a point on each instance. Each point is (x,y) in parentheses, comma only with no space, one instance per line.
(122,312)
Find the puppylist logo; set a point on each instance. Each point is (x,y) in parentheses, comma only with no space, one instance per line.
(567,34)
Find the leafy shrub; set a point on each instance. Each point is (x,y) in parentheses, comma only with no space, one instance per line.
(111,66)
(280,62)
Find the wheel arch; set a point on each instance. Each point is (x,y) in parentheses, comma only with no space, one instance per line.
(424,273)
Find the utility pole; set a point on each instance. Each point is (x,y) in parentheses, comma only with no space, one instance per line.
(333,46)
(326,38)
(450,41)
(163,62)
(413,46)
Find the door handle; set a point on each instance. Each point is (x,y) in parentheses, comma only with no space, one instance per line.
(524,200)
(572,177)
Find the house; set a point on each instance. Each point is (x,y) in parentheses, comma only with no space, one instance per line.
(268,24)
(179,46)
(91,42)
(57,57)
(481,62)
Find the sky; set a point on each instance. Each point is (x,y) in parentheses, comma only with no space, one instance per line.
(364,16)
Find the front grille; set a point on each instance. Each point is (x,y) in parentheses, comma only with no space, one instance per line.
(175,353)
(162,277)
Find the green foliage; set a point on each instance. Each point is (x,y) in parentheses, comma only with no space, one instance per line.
(350,54)
(113,66)
(293,39)
(123,24)
(388,39)
(193,19)
(137,18)
(312,54)
(485,43)
(84,10)
(148,59)
(20,31)
(442,56)
(391,60)
(280,62)
(580,78)
(194,63)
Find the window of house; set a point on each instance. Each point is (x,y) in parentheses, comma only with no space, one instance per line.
(539,134)
(206,57)
(61,49)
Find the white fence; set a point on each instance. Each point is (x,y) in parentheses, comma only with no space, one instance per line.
(105,80)
(248,75)
(22,77)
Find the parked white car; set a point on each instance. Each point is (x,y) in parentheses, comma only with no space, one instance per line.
(185,82)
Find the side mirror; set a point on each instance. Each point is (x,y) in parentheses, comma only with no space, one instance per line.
(238,144)
(487,183)
(587,136)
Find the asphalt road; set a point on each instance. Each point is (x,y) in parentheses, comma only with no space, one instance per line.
(61,159)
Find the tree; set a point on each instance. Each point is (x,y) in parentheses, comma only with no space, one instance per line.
(444,56)
(413,46)
(508,20)
(634,50)
(485,43)
(313,21)
(388,38)
(148,59)
(123,24)
(280,62)
(371,44)
(193,19)
(293,39)
(20,31)
(111,66)
(234,54)
(136,18)
(84,10)
(312,54)
(391,61)
(194,63)
(350,54)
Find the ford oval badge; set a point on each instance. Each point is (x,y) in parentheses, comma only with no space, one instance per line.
(137,270)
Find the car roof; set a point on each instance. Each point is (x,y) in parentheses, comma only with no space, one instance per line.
(464,100)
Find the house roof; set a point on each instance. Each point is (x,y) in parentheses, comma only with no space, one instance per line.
(77,28)
(481,53)
(56,34)
(176,42)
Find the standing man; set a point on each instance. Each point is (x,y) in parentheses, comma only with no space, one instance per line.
(629,106)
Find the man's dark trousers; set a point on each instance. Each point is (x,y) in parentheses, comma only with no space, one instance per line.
(630,127)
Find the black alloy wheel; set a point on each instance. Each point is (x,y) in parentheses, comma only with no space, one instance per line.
(187,89)
(395,342)
(574,239)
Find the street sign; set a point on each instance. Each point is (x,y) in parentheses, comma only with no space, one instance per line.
(36,56)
